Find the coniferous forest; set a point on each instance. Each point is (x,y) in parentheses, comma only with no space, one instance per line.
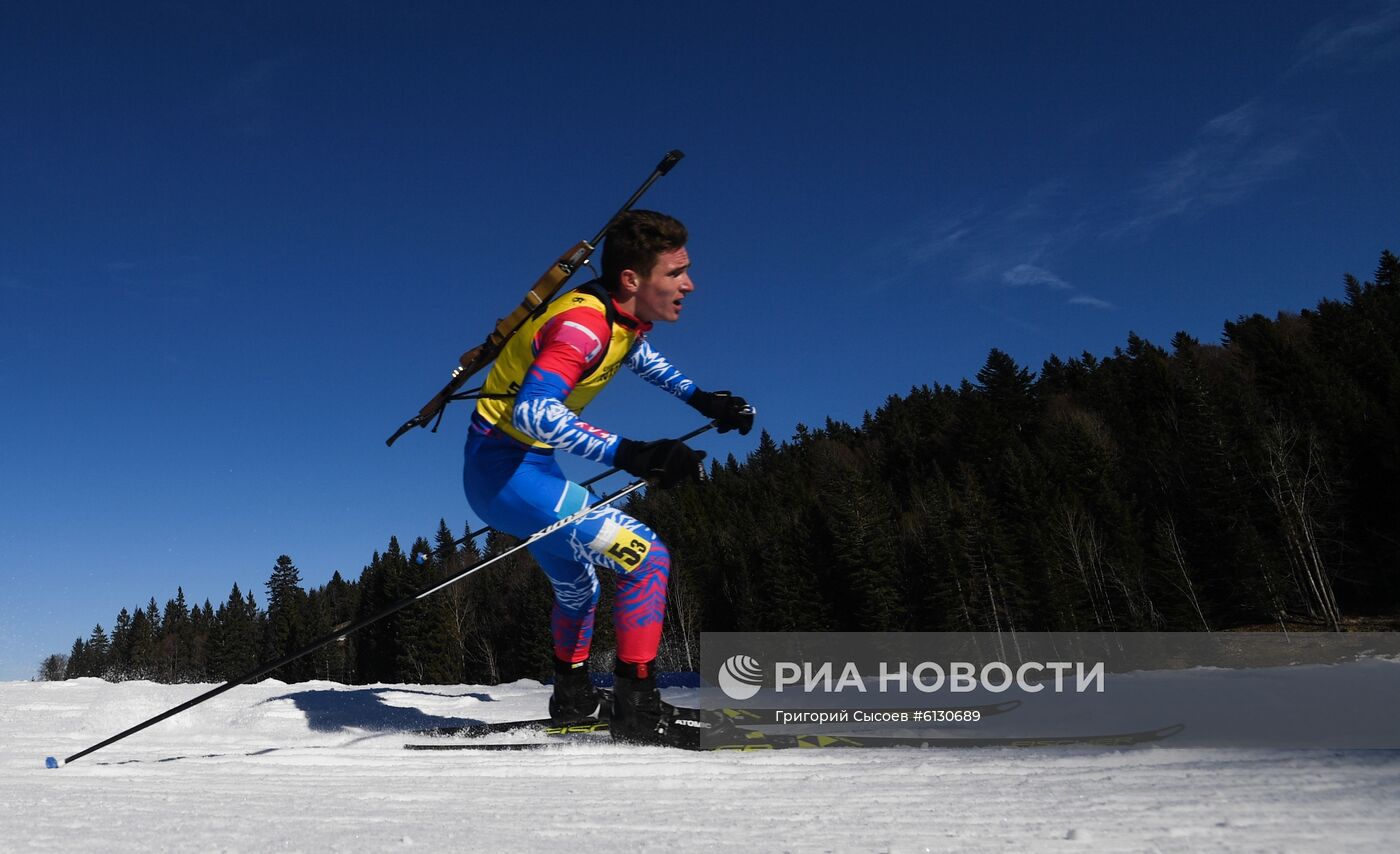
(1198,486)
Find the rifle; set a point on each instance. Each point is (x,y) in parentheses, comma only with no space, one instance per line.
(535,300)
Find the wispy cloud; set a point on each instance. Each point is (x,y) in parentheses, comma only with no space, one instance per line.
(1040,202)
(1022,243)
(1026,242)
(982,244)
(1232,156)
(1239,152)
(1091,302)
(1013,246)
(942,238)
(1355,42)
(1028,274)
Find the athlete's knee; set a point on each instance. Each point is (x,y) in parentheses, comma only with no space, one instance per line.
(629,546)
(575,584)
(647,583)
(658,558)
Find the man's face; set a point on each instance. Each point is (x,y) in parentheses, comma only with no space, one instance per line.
(660,293)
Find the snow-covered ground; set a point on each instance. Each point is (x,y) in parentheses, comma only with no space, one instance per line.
(321,767)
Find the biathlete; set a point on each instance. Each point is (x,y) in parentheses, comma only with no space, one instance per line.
(541,381)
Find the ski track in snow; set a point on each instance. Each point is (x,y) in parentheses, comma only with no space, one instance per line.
(321,767)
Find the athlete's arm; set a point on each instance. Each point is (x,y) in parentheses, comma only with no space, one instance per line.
(653,367)
(728,410)
(566,347)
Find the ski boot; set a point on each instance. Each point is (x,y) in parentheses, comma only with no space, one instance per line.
(575,699)
(640,717)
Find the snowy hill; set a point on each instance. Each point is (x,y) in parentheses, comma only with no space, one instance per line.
(321,767)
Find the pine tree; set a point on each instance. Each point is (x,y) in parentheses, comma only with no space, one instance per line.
(153,617)
(377,645)
(141,648)
(202,627)
(1010,392)
(97,653)
(54,668)
(90,658)
(860,516)
(286,626)
(119,660)
(425,650)
(234,637)
(340,602)
(767,449)
(77,661)
(456,599)
(175,640)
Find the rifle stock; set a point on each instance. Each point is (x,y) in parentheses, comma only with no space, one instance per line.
(545,289)
(539,296)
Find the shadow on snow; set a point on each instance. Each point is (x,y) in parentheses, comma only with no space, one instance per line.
(370,709)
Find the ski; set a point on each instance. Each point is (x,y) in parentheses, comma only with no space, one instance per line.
(485,728)
(739,717)
(775,741)
(752,740)
(545,726)
(478,730)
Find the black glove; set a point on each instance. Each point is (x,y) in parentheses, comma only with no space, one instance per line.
(665,462)
(728,411)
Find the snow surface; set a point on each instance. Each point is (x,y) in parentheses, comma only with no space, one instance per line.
(321,767)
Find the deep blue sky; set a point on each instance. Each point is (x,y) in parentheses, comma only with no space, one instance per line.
(240,244)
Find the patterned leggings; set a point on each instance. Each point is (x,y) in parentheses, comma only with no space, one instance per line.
(520,491)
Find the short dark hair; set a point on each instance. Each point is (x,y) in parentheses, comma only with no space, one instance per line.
(635,240)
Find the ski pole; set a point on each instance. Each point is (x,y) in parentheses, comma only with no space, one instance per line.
(420,557)
(342,631)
